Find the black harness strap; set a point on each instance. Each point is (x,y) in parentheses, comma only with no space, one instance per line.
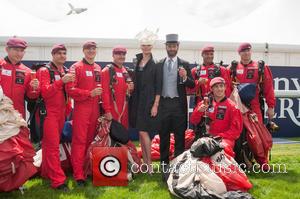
(261,74)
(112,81)
(233,69)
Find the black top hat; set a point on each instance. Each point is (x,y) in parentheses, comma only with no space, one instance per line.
(172,38)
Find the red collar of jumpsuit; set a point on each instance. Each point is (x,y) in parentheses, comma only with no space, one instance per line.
(15,81)
(207,71)
(249,74)
(226,121)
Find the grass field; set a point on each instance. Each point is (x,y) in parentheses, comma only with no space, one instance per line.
(271,185)
(295,139)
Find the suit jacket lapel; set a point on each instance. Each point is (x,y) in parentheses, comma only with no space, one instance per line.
(162,67)
(178,64)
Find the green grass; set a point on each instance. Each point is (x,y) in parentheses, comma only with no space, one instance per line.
(273,186)
(294,139)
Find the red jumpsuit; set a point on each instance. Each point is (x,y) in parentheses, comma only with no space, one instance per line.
(226,122)
(86,112)
(55,102)
(249,74)
(120,88)
(208,73)
(15,82)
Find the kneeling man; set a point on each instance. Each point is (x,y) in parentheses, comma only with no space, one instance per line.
(224,119)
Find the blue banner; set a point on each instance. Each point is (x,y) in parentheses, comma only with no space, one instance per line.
(287,109)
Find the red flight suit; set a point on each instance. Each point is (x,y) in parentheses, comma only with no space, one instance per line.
(249,74)
(55,102)
(120,87)
(86,112)
(226,122)
(15,82)
(208,73)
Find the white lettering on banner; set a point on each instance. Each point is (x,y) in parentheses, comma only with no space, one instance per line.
(288,109)
(278,80)
(296,83)
(286,83)
(298,108)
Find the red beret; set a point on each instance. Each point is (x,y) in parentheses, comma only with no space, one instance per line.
(89,44)
(58,47)
(208,49)
(119,49)
(244,46)
(216,80)
(16,43)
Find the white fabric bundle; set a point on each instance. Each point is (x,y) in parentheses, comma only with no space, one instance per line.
(10,119)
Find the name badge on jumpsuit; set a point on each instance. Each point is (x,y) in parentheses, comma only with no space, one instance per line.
(119,74)
(89,73)
(240,71)
(6,72)
(211,73)
(250,73)
(221,112)
(57,77)
(20,77)
(203,72)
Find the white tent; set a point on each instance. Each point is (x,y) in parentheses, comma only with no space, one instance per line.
(258,21)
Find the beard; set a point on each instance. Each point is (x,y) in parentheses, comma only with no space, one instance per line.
(172,53)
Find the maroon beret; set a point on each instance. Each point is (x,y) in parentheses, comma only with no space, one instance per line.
(244,46)
(15,42)
(119,49)
(208,49)
(89,44)
(216,80)
(58,47)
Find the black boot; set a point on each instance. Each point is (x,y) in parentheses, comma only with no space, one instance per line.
(63,188)
(81,183)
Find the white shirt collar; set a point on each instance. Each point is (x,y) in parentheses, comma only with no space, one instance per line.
(174,59)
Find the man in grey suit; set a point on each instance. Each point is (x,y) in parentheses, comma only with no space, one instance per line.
(176,76)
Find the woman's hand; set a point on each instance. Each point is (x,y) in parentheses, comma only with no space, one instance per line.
(154,110)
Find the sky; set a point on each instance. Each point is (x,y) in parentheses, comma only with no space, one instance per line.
(260,21)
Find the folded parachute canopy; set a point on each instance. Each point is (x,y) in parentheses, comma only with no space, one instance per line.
(16,151)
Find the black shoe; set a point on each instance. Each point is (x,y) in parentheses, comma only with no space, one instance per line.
(165,169)
(81,183)
(63,188)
